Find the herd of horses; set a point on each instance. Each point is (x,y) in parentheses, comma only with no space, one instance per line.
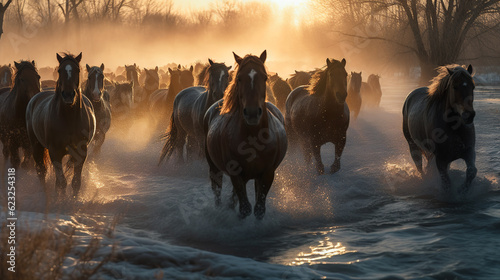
(240,121)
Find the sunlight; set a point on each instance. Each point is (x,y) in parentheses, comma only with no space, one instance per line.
(323,252)
(282,4)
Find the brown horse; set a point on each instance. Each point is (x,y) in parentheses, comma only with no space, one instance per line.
(122,100)
(13,104)
(353,99)
(94,90)
(6,74)
(245,136)
(132,74)
(61,122)
(371,93)
(300,78)
(281,89)
(438,121)
(190,105)
(318,114)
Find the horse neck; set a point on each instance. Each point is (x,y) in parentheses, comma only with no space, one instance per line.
(70,111)
(175,87)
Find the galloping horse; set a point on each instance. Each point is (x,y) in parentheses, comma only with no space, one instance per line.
(190,105)
(13,104)
(132,73)
(61,122)
(438,121)
(122,100)
(353,99)
(318,114)
(94,90)
(280,89)
(371,93)
(6,76)
(245,136)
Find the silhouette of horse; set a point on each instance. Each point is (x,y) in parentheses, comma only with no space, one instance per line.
(300,78)
(438,121)
(13,104)
(353,99)
(132,73)
(190,105)
(61,122)
(151,82)
(94,91)
(245,136)
(280,89)
(122,100)
(6,74)
(317,114)
(371,93)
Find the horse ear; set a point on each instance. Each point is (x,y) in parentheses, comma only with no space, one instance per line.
(17,65)
(179,67)
(156,68)
(343,62)
(263,56)
(191,68)
(210,61)
(328,63)
(59,58)
(237,58)
(33,62)
(79,58)
(102,66)
(88,68)
(135,65)
(470,69)
(170,71)
(449,70)
(296,72)
(229,68)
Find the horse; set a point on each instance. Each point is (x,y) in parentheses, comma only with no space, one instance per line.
(94,91)
(280,89)
(61,123)
(299,78)
(132,74)
(190,105)
(371,93)
(245,136)
(6,74)
(438,122)
(201,74)
(13,104)
(317,114)
(353,93)
(122,100)
(161,101)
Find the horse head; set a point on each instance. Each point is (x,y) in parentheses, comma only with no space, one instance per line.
(152,81)
(186,77)
(95,82)
(132,72)
(336,79)
(355,81)
(218,79)
(125,93)
(27,78)
(461,93)
(250,86)
(68,84)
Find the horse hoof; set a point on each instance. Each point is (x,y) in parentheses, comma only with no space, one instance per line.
(334,169)
(259,212)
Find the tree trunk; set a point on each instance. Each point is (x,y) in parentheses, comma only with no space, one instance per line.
(2,13)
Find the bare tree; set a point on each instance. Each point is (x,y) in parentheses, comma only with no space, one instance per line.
(70,8)
(3,8)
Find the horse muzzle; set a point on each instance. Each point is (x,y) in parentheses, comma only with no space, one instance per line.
(252,115)
(68,97)
(468,116)
(341,96)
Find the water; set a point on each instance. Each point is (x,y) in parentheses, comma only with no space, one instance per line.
(377,218)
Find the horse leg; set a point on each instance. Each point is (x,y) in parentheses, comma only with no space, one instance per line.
(339,149)
(262,186)
(307,152)
(28,153)
(38,156)
(99,140)
(56,158)
(316,151)
(77,172)
(471,172)
(443,166)
(239,186)
(14,153)
(215,179)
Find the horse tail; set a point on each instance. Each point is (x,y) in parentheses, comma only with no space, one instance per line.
(170,138)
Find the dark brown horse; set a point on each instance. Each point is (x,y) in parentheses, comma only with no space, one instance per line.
(6,74)
(245,136)
(318,114)
(61,122)
(94,90)
(371,93)
(281,89)
(353,99)
(438,121)
(13,104)
(190,105)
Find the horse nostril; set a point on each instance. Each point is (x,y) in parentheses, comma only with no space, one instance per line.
(245,111)
(260,111)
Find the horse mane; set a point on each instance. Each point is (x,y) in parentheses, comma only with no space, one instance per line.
(21,66)
(440,84)
(231,96)
(202,77)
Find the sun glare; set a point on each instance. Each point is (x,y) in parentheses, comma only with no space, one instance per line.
(288,3)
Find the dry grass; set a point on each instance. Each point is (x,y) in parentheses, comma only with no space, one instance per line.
(43,253)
